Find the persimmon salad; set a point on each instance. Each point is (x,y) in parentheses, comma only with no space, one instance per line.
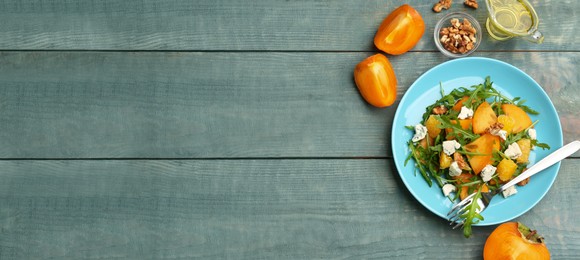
(473,140)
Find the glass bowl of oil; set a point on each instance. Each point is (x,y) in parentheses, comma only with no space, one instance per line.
(450,38)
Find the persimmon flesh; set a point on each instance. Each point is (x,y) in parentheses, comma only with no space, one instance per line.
(484,147)
(459,104)
(519,116)
(483,118)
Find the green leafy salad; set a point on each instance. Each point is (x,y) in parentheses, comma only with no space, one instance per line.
(473,140)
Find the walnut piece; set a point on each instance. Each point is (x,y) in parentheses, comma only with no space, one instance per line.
(494,129)
(440,110)
(461,162)
(459,37)
(524,182)
(442,4)
(455,22)
(471,3)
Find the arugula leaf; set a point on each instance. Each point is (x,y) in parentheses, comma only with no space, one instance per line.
(544,146)
(527,109)
(520,169)
(415,151)
(471,215)
(465,152)
(497,156)
(512,138)
(458,132)
(447,100)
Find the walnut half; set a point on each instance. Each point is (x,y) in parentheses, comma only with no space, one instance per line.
(494,129)
(524,182)
(471,3)
(442,4)
(440,110)
(461,162)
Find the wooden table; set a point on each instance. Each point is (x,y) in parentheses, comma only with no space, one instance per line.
(233,129)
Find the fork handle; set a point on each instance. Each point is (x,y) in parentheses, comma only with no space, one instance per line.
(548,161)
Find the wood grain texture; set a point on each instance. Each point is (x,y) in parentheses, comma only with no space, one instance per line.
(218,129)
(243,209)
(219,105)
(240,25)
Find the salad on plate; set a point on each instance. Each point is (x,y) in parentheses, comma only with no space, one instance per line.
(473,140)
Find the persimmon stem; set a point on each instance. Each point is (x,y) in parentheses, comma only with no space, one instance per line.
(531,234)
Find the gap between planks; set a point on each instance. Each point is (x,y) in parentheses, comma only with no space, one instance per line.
(202,159)
(264,51)
(214,158)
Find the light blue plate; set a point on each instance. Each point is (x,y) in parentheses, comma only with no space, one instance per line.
(466,72)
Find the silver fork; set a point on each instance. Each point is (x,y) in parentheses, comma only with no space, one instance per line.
(454,215)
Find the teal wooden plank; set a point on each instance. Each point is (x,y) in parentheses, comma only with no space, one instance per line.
(243,209)
(208,105)
(235,25)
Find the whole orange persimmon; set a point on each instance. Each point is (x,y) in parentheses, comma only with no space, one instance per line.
(400,30)
(376,81)
(514,240)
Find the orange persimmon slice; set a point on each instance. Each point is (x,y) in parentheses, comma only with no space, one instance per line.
(483,118)
(484,145)
(520,117)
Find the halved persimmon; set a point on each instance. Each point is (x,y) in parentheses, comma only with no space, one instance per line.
(376,80)
(400,30)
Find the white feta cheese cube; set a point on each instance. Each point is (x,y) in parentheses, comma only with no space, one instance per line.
(420,133)
(532,133)
(513,151)
(487,172)
(448,188)
(465,113)
(501,133)
(509,191)
(454,169)
(450,146)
